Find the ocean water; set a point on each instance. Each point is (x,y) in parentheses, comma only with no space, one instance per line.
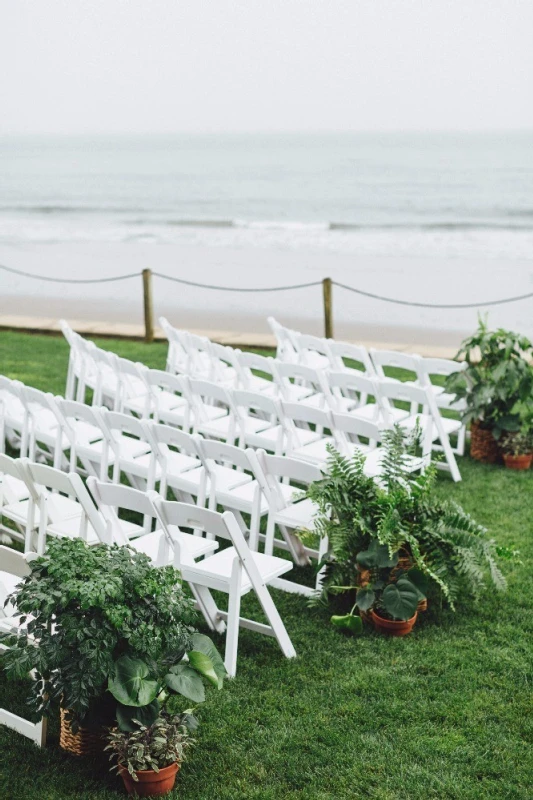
(423,195)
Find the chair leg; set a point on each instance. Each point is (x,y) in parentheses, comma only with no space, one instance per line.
(276,623)
(234,612)
(208,607)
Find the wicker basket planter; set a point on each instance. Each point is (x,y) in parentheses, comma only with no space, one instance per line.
(483,445)
(86,742)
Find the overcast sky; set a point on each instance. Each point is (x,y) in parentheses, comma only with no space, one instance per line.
(215,65)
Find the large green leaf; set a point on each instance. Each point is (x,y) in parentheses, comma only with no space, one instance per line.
(184,680)
(420,581)
(203,644)
(203,665)
(146,715)
(400,599)
(377,555)
(348,623)
(130,684)
(365,598)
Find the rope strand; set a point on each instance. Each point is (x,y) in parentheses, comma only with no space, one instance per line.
(258,289)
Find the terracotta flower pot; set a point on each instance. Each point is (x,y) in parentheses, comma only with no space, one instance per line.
(518,462)
(393,627)
(483,445)
(150,783)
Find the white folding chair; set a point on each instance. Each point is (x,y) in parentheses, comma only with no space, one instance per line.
(236,571)
(177,357)
(181,465)
(65,508)
(214,415)
(224,365)
(257,374)
(259,421)
(298,383)
(425,414)
(313,351)
(134,396)
(245,498)
(147,536)
(198,349)
(303,442)
(352,357)
(287,349)
(46,440)
(76,364)
(348,391)
(127,439)
(170,398)
(18,499)
(14,567)
(443,368)
(106,387)
(89,451)
(289,510)
(14,416)
(409,363)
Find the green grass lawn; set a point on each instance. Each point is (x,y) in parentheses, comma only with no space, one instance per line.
(443,713)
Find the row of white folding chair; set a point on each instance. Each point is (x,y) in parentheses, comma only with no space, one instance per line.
(324,353)
(57,426)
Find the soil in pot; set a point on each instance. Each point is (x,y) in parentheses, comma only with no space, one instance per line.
(518,462)
(150,783)
(483,445)
(393,627)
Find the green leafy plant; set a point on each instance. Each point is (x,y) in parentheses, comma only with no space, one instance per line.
(390,541)
(108,636)
(497,384)
(517,443)
(151,747)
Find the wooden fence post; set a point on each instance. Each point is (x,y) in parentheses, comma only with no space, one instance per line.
(328,308)
(148,306)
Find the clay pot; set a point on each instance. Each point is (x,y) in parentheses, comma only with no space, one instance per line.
(150,783)
(518,462)
(393,627)
(483,445)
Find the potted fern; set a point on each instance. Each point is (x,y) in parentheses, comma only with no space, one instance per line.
(392,541)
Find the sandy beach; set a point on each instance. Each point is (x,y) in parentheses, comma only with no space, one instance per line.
(419,279)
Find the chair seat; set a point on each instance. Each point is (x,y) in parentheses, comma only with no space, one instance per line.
(374,463)
(190,481)
(131,448)
(297,515)
(219,566)
(241,498)
(191,547)
(14,489)
(59,508)
(269,439)
(314,452)
(371,413)
(219,428)
(450,426)
(71,529)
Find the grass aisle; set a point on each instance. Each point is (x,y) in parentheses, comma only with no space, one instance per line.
(444,713)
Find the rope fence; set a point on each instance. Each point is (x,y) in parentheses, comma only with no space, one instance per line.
(326,283)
